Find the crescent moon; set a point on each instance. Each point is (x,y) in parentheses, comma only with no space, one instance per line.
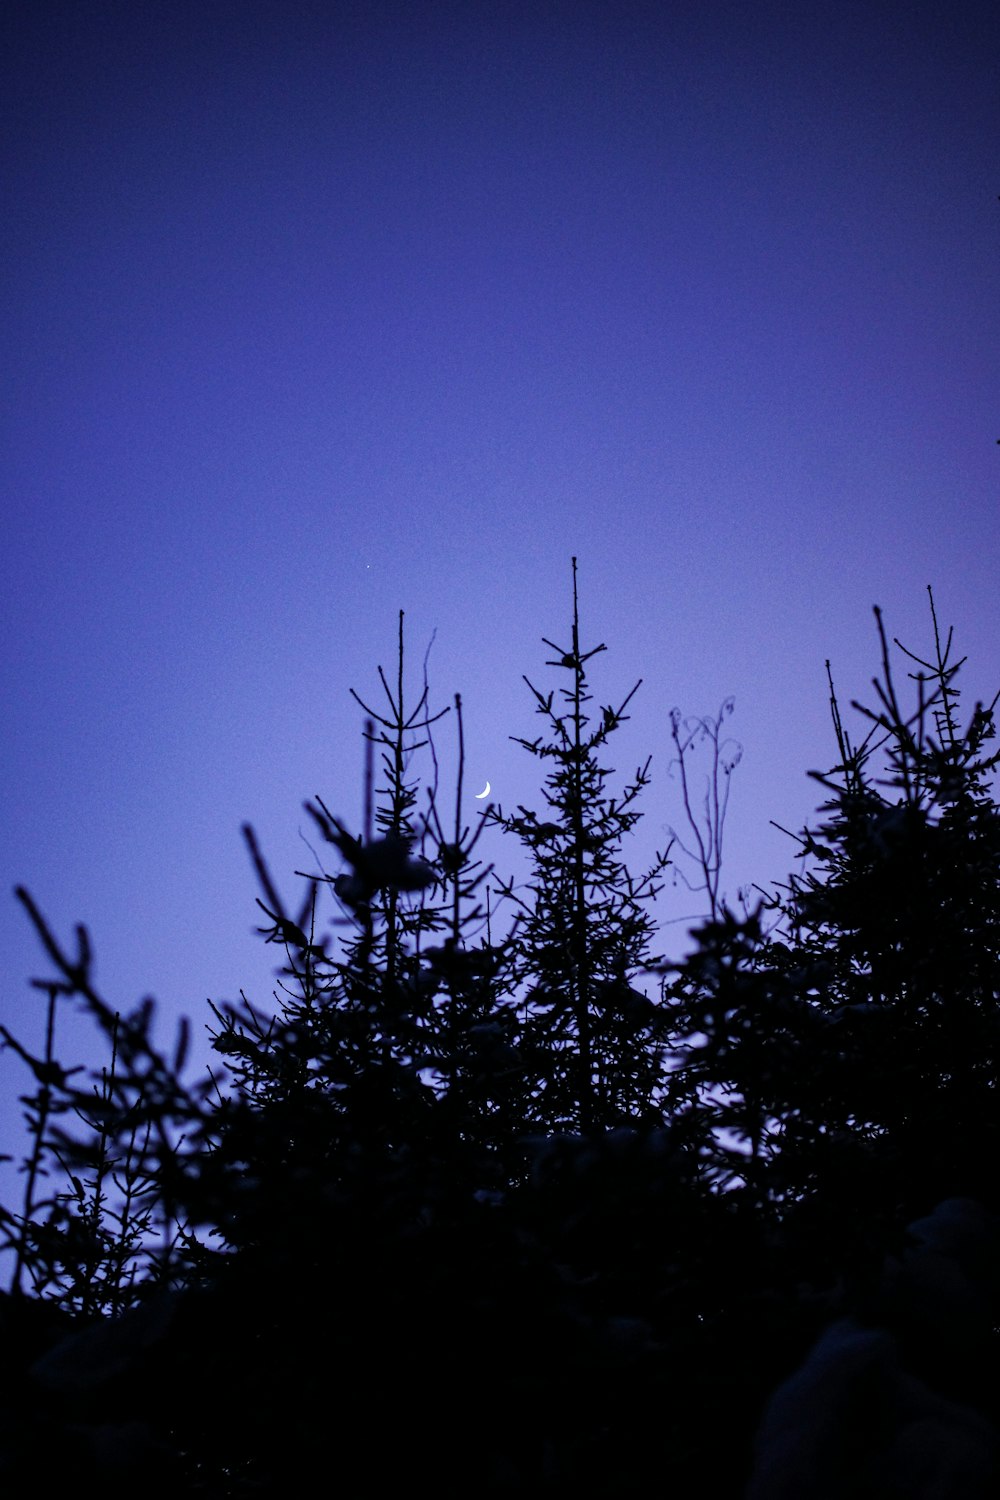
(484,793)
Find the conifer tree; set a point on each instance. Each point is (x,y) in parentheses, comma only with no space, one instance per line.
(902,919)
(357,1146)
(365,1039)
(583,931)
(848,1057)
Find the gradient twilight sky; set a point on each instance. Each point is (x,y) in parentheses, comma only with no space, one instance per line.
(317,311)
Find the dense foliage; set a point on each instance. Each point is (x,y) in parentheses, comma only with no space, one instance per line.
(543,1212)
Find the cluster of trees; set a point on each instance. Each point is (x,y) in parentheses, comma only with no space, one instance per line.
(544,1212)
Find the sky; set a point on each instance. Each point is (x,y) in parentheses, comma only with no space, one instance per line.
(316,312)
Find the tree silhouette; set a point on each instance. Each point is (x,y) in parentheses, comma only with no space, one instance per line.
(583,931)
(848,1056)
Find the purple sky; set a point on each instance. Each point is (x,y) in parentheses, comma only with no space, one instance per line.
(312,312)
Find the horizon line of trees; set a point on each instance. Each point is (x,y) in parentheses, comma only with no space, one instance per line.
(464,1176)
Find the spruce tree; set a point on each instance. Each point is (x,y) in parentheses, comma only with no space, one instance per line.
(583,930)
(902,917)
(847,1055)
(371,1057)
